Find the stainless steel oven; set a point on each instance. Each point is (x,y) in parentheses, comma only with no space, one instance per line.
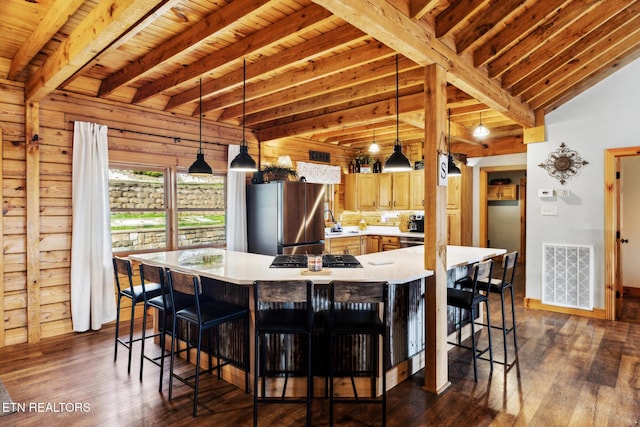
(406,242)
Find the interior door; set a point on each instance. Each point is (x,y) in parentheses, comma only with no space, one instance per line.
(629,241)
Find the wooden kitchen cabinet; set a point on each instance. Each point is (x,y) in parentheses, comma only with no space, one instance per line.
(369,191)
(416,187)
(393,190)
(389,243)
(344,245)
(361,191)
(459,202)
(373,244)
(453,192)
(400,191)
(502,192)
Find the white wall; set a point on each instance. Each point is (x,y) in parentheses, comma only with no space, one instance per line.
(605,116)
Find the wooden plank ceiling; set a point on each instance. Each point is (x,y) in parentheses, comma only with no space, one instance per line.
(324,70)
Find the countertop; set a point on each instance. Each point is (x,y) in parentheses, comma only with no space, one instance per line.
(396,267)
(371,230)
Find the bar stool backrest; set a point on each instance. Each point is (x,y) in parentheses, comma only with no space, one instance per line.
(122,267)
(154,274)
(482,271)
(284,291)
(285,294)
(509,262)
(359,292)
(185,283)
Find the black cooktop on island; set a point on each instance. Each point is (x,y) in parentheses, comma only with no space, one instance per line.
(328,261)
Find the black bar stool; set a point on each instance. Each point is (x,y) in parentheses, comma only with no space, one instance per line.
(467,297)
(499,286)
(355,310)
(164,304)
(205,314)
(137,294)
(282,309)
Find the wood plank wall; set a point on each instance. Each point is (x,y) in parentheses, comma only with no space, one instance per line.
(56,115)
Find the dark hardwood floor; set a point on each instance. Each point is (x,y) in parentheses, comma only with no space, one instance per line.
(571,371)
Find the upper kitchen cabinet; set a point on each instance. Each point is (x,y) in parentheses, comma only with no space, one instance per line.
(502,192)
(361,191)
(416,186)
(459,203)
(369,191)
(394,190)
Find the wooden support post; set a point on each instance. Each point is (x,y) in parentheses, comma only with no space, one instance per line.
(32,156)
(2,341)
(436,372)
(536,133)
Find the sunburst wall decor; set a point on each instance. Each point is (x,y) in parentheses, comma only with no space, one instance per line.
(563,163)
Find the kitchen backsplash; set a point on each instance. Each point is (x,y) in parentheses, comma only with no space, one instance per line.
(391,219)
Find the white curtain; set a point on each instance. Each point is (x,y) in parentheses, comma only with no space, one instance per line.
(92,292)
(236,206)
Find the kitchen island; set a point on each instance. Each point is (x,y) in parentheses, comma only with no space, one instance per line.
(402,268)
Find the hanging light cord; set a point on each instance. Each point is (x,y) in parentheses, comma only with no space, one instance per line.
(200,115)
(449,131)
(244,95)
(397,104)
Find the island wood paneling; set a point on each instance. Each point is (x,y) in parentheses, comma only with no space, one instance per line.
(150,137)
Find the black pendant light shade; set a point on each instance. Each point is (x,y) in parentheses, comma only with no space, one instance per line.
(452,169)
(397,161)
(243,161)
(200,167)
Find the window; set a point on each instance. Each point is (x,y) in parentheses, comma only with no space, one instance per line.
(139,213)
(141,209)
(201,210)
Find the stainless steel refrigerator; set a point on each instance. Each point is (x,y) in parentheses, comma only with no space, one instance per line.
(285,217)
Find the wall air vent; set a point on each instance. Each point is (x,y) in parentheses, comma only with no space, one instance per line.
(567,275)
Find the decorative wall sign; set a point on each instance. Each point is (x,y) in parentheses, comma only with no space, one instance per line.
(563,163)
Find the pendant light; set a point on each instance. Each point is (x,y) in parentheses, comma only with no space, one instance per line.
(452,169)
(243,161)
(200,167)
(481,131)
(397,161)
(374,148)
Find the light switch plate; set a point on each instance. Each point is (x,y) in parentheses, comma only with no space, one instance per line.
(549,210)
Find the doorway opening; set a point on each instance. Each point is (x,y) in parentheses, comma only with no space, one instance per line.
(619,282)
(500,206)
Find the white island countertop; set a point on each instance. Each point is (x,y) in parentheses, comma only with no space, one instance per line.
(398,266)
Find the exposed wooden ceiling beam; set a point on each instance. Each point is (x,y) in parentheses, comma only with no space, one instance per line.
(286,29)
(581,51)
(485,21)
(586,27)
(293,84)
(378,111)
(591,72)
(333,90)
(536,39)
(455,15)
(308,50)
(55,18)
(517,30)
(195,35)
(419,8)
(417,42)
(104,24)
